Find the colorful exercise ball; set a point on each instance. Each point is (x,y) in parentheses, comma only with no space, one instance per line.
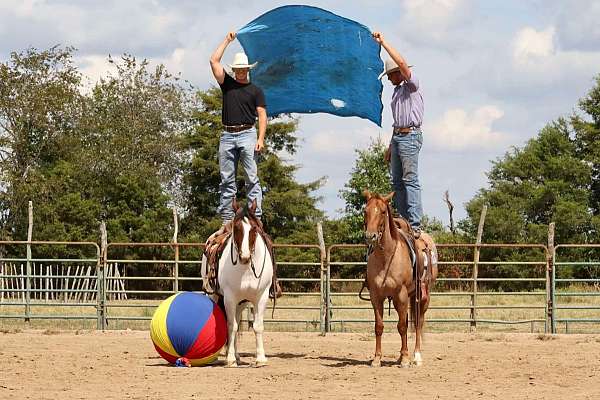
(189,325)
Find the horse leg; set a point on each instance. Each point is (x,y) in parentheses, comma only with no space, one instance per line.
(258,326)
(232,329)
(238,318)
(418,359)
(401,305)
(378,309)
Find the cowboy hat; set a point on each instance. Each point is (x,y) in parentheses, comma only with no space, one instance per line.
(390,66)
(240,60)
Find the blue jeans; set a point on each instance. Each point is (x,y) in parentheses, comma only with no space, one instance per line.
(405,176)
(235,148)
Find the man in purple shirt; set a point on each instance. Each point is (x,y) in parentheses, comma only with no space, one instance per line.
(403,152)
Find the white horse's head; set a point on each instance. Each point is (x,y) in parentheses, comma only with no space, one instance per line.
(245,231)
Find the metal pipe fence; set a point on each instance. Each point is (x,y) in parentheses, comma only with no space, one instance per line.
(570,268)
(472,294)
(319,283)
(26,276)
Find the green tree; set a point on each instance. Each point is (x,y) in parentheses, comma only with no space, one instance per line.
(545,181)
(40,103)
(555,177)
(131,145)
(113,154)
(370,172)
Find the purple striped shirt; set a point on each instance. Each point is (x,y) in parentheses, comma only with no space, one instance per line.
(407,103)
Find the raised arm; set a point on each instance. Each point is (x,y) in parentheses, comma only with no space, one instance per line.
(215,59)
(394,55)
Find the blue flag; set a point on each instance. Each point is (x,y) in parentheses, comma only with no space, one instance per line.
(311,60)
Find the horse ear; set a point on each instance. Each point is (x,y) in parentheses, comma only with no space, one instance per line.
(388,197)
(367,194)
(235,206)
(252,208)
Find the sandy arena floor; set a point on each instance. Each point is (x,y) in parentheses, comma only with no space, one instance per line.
(124,365)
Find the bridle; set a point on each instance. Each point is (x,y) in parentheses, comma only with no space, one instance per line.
(234,261)
(380,230)
(370,248)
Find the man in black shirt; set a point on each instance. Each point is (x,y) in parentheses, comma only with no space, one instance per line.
(243,104)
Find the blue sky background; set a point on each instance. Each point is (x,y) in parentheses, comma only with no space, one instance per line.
(492,72)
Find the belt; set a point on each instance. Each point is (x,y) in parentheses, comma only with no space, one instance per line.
(236,128)
(404,131)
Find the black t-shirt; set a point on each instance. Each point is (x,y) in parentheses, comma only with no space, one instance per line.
(240,101)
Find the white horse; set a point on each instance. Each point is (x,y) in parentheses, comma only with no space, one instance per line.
(245,275)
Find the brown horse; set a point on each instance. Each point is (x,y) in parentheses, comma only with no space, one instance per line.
(390,273)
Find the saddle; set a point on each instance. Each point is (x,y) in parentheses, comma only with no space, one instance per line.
(213,250)
(421,251)
(421,258)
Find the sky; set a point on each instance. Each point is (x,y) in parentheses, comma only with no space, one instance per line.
(492,73)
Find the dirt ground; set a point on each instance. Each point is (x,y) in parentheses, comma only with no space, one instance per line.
(124,365)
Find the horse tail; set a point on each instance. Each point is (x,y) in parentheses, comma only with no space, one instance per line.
(414,312)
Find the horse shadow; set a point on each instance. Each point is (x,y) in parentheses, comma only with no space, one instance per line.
(285,356)
(345,362)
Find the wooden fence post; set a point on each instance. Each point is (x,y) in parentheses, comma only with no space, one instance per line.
(476,268)
(176,267)
(28,270)
(324,285)
(101,268)
(550,273)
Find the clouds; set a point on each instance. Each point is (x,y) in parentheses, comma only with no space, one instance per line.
(342,141)
(142,27)
(492,73)
(578,25)
(531,45)
(434,23)
(459,130)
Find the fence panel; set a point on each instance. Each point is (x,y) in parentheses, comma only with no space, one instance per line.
(576,287)
(124,282)
(47,280)
(300,270)
(462,284)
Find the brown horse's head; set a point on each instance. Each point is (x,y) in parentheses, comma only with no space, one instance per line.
(377,213)
(245,225)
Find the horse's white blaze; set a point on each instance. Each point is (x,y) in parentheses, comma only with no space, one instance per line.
(238,283)
(245,250)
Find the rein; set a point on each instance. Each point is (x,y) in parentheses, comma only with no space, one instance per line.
(387,270)
(235,261)
(370,250)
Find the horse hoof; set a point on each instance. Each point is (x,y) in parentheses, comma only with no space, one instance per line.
(404,362)
(418,360)
(231,364)
(376,363)
(259,364)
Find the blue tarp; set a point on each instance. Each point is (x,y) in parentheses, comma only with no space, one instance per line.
(311,60)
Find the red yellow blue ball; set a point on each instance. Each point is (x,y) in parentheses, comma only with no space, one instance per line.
(189,325)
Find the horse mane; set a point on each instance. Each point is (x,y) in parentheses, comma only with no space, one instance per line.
(393,228)
(244,212)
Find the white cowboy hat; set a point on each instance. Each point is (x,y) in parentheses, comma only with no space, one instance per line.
(240,60)
(390,66)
